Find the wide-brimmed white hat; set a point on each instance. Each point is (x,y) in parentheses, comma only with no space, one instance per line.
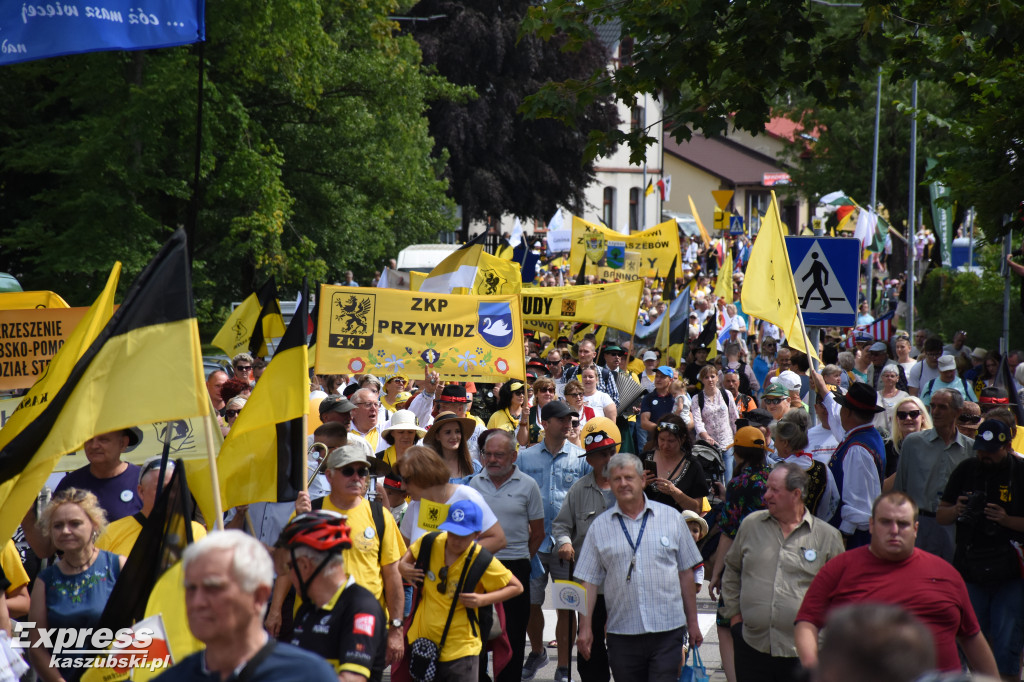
(404,420)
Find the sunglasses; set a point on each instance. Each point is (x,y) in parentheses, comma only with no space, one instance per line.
(545,390)
(442,580)
(773,401)
(968,419)
(230,414)
(243,368)
(671,428)
(552,362)
(573,395)
(575,423)
(350,471)
(911,414)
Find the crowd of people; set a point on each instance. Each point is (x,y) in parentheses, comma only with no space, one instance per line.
(438,512)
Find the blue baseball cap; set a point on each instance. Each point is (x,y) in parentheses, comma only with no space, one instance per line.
(464,518)
(666,370)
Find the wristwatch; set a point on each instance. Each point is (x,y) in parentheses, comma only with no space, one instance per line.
(395,623)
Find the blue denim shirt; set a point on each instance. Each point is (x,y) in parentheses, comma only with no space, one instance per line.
(555,474)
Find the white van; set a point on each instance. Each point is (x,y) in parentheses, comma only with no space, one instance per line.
(424,257)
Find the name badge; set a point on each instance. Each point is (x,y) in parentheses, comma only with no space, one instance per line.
(127,495)
(810,554)
(368,533)
(664,541)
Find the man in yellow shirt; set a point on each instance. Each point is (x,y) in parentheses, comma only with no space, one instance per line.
(120,535)
(373,558)
(452,552)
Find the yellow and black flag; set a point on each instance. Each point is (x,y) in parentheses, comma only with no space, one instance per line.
(255,320)
(263,458)
(20,487)
(152,340)
(673,332)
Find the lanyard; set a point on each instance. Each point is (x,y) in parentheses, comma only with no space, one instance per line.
(639,536)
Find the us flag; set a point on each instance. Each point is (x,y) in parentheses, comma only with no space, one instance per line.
(879,329)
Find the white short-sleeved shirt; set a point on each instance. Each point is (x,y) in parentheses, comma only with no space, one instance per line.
(412,531)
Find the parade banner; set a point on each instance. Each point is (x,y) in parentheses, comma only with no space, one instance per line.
(36,30)
(383,331)
(614,305)
(29,339)
(612,256)
(188,441)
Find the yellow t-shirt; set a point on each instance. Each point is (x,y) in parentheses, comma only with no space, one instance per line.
(433,610)
(361,559)
(120,535)
(503,419)
(14,570)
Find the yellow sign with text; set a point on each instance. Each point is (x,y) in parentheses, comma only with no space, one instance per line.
(611,256)
(29,339)
(432,515)
(614,305)
(383,331)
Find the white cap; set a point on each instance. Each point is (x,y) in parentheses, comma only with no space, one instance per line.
(789,380)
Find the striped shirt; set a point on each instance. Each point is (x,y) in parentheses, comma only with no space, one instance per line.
(651,601)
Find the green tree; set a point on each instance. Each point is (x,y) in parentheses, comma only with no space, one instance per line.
(716,62)
(499,161)
(315,153)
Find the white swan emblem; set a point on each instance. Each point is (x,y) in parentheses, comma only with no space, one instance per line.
(497,329)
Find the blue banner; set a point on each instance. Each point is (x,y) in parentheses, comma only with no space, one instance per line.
(37,30)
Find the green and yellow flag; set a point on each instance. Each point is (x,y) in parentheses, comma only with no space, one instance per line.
(255,320)
(263,458)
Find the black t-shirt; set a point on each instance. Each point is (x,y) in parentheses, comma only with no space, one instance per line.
(657,405)
(689,478)
(1002,485)
(350,632)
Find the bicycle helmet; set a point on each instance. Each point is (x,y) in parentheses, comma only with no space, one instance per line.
(322,530)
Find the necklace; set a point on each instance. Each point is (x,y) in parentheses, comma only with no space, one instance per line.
(88,561)
(513,420)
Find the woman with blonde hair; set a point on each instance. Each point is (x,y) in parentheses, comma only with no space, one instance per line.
(73,591)
(909,416)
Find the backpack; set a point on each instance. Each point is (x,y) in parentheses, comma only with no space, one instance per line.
(376,511)
(482,618)
(725,396)
(744,379)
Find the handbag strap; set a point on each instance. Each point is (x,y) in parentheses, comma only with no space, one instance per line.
(250,668)
(455,599)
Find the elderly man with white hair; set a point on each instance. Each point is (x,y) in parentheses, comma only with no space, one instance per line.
(228,579)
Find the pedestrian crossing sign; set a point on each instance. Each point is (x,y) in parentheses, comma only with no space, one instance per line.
(826,271)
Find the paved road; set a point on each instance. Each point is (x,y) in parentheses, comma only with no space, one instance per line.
(708,651)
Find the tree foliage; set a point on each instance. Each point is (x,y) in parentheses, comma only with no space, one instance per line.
(315,153)
(501,162)
(716,62)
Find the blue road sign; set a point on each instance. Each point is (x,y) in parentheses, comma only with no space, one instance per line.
(826,271)
(735,225)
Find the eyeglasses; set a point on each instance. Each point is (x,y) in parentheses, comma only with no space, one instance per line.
(442,580)
(968,419)
(349,472)
(773,401)
(375,406)
(230,414)
(243,368)
(485,454)
(910,414)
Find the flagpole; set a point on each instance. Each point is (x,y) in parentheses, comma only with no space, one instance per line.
(305,430)
(218,507)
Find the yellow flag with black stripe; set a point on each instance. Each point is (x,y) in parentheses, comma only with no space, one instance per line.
(263,458)
(152,336)
(22,484)
(255,320)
